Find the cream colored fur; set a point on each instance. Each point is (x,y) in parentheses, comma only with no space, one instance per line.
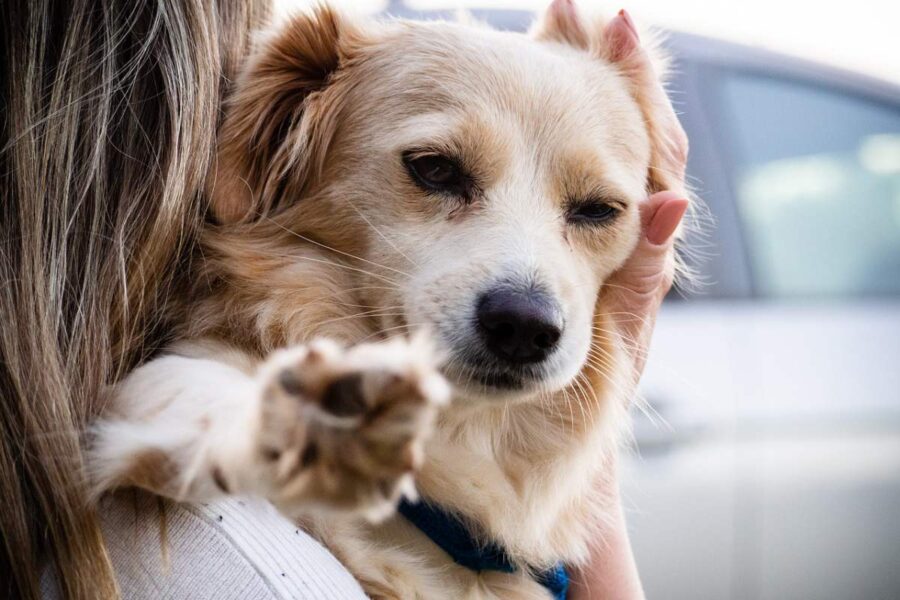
(327,256)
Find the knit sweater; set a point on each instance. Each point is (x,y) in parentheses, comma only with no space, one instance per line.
(230,549)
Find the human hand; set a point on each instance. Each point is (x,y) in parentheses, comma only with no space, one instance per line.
(633,295)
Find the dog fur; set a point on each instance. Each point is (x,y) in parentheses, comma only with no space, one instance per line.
(326,264)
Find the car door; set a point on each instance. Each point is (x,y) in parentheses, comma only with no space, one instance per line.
(815,171)
(806,176)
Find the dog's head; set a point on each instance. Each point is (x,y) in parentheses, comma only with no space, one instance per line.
(482,184)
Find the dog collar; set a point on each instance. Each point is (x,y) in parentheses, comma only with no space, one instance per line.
(453,537)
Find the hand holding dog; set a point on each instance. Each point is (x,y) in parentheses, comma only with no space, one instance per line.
(636,293)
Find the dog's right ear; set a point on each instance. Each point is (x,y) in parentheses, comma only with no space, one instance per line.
(643,65)
(280,118)
(621,46)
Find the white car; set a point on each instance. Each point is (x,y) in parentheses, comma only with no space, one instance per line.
(773,468)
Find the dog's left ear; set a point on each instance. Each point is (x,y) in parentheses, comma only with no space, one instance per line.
(281,118)
(562,23)
(617,42)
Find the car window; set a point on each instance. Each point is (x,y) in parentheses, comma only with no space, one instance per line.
(817,182)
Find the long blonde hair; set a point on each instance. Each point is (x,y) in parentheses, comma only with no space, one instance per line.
(108,115)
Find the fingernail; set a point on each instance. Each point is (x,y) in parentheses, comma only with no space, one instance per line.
(666,221)
(624,14)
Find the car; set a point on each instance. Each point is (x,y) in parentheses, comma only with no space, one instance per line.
(769,454)
(767,445)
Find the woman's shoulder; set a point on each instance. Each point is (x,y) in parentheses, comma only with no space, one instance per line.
(232,548)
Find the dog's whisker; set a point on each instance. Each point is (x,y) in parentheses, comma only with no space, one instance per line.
(631,345)
(601,361)
(608,377)
(385,279)
(330,301)
(586,399)
(596,354)
(384,237)
(382,331)
(613,335)
(568,401)
(616,334)
(361,315)
(605,371)
(335,250)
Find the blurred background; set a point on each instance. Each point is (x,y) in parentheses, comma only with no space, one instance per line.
(767,456)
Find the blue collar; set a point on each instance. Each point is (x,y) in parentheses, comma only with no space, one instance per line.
(453,537)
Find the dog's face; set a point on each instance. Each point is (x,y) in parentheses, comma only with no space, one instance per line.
(508,175)
(485,185)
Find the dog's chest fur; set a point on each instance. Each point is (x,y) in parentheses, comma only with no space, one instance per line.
(526,482)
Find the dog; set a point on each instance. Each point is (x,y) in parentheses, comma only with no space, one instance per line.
(398,299)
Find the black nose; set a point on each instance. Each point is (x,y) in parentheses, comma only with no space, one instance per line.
(518,326)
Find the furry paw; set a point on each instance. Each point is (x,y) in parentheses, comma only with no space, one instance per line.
(343,428)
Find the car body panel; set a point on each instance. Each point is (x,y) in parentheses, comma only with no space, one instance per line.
(808,409)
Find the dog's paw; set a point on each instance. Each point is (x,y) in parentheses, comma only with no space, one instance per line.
(343,428)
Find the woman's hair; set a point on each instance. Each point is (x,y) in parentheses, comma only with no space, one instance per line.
(108,115)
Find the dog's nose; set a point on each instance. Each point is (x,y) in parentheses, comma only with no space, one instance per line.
(518,326)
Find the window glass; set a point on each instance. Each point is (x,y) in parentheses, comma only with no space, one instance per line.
(817,181)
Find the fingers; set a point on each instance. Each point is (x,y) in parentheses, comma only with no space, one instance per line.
(649,271)
(635,292)
(652,204)
(670,209)
(646,276)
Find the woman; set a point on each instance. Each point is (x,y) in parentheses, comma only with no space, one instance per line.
(109,110)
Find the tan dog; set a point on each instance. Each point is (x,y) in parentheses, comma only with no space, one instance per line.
(382,178)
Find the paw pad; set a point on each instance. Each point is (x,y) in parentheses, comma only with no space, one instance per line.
(344,397)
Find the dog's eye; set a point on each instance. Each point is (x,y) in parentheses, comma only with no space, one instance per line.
(437,173)
(591,213)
